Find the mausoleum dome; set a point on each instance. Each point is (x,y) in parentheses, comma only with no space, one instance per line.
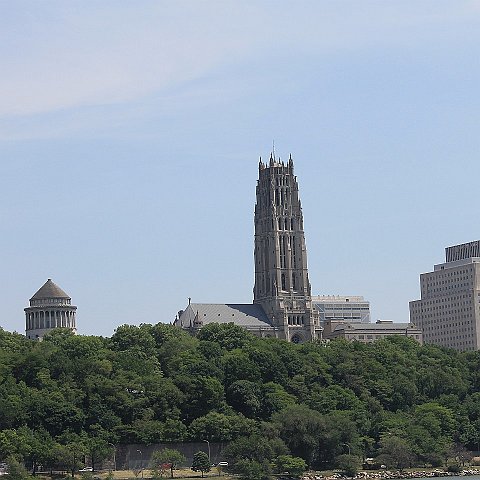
(49,308)
(50,293)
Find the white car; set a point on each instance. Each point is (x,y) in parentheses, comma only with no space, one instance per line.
(86,469)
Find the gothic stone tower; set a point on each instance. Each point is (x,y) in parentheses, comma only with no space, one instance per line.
(281,286)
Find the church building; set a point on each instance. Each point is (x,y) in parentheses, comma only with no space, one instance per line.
(282,303)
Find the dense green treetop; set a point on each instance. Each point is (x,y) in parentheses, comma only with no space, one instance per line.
(155,383)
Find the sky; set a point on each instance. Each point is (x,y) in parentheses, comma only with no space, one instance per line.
(130,133)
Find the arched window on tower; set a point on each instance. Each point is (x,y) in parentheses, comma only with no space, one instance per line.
(294,281)
(284,286)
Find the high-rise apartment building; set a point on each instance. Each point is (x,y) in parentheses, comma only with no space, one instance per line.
(449,309)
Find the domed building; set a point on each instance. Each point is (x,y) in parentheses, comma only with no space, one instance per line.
(49,308)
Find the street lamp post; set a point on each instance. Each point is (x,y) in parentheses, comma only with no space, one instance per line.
(141,460)
(348,446)
(208,443)
(114,456)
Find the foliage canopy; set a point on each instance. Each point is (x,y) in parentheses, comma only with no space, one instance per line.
(326,404)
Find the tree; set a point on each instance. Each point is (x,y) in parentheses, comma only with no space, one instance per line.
(395,452)
(461,454)
(71,451)
(70,455)
(250,457)
(131,337)
(228,335)
(300,428)
(253,470)
(245,397)
(274,399)
(437,419)
(98,449)
(201,462)
(239,366)
(174,431)
(294,466)
(332,398)
(32,447)
(339,433)
(167,455)
(218,427)
(348,464)
(16,470)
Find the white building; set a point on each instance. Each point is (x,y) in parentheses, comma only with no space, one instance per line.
(343,308)
(449,309)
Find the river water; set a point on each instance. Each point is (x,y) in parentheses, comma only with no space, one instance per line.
(453,477)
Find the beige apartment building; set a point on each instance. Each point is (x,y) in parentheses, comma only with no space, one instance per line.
(448,312)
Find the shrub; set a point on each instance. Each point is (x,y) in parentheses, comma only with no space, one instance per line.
(294,466)
(454,468)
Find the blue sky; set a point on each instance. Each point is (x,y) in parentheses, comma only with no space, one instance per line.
(130,134)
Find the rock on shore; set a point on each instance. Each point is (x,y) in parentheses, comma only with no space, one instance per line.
(389,474)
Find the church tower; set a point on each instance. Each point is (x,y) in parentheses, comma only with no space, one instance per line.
(281,286)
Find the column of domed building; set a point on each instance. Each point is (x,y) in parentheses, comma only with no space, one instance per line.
(49,308)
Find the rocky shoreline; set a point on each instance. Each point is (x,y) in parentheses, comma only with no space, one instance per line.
(392,474)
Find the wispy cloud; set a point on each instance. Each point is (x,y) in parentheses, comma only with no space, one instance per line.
(59,55)
(89,56)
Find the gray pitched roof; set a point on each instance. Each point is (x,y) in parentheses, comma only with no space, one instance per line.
(243,314)
(50,290)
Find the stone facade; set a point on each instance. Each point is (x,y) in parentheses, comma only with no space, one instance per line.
(49,308)
(282,304)
(282,286)
(370,332)
(449,309)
